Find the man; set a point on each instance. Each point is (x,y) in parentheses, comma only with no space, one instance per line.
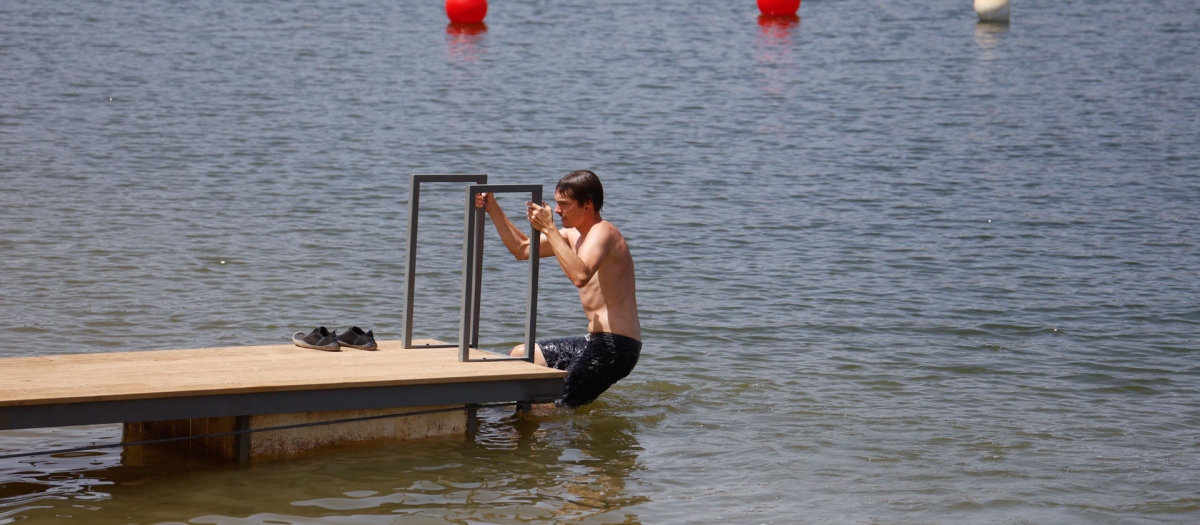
(594,255)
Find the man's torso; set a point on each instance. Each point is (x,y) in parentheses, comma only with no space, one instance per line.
(609,298)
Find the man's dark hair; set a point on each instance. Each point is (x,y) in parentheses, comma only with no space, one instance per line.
(583,187)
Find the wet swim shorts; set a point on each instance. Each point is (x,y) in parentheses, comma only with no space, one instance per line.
(593,363)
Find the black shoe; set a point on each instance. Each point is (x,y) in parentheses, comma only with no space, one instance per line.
(356,338)
(319,339)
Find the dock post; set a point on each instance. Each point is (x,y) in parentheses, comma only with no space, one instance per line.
(472,421)
(241,442)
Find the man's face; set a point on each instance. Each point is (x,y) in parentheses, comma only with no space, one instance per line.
(567,209)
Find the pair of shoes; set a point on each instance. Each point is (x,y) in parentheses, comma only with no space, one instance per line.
(322,339)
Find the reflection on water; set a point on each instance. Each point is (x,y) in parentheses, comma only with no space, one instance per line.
(989,36)
(561,465)
(25,481)
(598,453)
(464,41)
(590,456)
(775,51)
(778,25)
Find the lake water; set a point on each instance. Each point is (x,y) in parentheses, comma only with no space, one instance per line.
(893,266)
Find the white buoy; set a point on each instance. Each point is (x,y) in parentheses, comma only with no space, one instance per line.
(992,10)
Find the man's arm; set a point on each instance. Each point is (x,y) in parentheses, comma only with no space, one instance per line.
(516,242)
(579,267)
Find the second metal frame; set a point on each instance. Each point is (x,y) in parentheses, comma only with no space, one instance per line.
(468,328)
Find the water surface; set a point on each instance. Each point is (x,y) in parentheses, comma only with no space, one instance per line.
(893,266)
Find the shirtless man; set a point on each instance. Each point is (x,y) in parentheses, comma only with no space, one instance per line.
(595,257)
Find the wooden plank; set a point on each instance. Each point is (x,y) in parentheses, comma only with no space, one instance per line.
(74,378)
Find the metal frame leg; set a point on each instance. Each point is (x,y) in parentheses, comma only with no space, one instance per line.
(478,261)
(466,319)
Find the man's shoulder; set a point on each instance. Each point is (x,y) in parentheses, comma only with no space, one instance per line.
(602,231)
(611,231)
(608,227)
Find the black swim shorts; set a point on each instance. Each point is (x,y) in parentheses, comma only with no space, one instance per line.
(593,363)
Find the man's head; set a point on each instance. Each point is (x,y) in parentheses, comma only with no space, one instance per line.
(579,196)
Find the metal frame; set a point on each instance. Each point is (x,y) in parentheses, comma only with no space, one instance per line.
(468,327)
(410,268)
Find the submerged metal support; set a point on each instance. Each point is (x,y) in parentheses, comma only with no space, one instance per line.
(241,442)
(472,421)
(410,267)
(468,331)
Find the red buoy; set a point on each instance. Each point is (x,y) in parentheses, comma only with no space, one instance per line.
(466,11)
(775,7)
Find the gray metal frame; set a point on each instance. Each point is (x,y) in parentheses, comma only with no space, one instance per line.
(468,327)
(410,267)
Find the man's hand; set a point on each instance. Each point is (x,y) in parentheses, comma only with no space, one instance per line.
(485,200)
(540,217)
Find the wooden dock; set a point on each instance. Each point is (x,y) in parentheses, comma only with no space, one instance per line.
(229,388)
